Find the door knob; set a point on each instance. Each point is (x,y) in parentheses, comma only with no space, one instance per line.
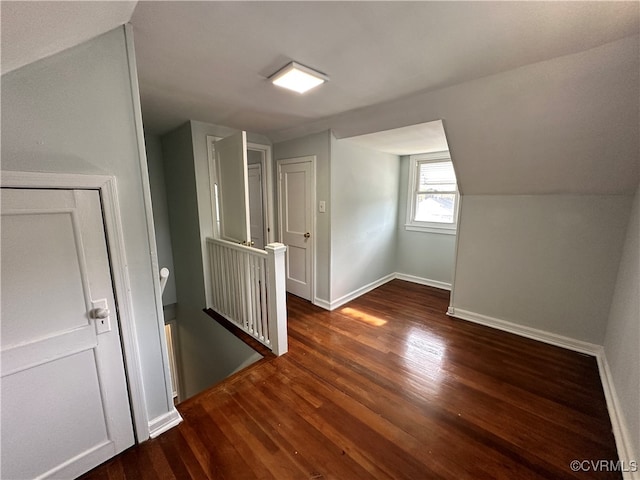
(307,235)
(98,313)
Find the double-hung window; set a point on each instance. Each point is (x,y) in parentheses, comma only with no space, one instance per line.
(432,205)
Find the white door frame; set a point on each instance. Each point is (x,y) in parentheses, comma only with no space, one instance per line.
(267,184)
(267,189)
(286,161)
(106,185)
(265,227)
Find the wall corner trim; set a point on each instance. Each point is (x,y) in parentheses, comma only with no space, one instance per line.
(616,414)
(337,303)
(322,303)
(524,331)
(164,422)
(360,291)
(423,281)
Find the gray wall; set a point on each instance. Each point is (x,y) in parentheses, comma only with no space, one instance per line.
(207,353)
(364,198)
(161,214)
(253,157)
(364,186)
(541,128)
(184,222)
(545,261)
(73,113)
(622,341)
(429,256)
(318,144)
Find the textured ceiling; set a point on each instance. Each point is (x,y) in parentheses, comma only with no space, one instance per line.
(209,60)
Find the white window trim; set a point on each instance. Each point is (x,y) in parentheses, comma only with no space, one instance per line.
(428,227)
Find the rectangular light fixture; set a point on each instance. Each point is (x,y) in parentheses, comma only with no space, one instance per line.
(298,78)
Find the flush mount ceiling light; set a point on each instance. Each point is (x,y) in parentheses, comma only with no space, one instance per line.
(298,78)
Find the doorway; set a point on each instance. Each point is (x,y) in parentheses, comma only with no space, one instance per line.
(296,200)
(65,401)
(256,206)
(105,187)
(260,197)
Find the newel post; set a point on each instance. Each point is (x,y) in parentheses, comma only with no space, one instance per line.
(277,295)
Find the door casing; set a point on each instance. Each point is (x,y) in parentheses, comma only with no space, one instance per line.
(106,185)
(257,167)
(267,184)
(312,248)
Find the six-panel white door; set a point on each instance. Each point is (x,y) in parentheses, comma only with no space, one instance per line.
(64,404)
(296,222)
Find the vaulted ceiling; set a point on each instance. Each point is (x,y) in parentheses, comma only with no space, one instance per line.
(210,60)
(533,95)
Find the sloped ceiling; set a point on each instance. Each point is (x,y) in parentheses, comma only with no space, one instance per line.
(569,125)
(426,137)
(33,30)
(210,60)
(535,97)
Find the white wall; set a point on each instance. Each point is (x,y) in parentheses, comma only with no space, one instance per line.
(364,198)
(160,214)
(73,113)
(546,261)
(318,144)
(429,256)
(622,340)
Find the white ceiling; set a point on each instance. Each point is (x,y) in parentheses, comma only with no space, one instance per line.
(33,30)
(533,94)
(420,138)
(210,61)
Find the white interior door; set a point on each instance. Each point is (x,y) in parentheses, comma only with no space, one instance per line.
(232,188)
(256,205)
(296,197)
(65,406)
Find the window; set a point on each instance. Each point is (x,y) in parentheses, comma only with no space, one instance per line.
(432,205)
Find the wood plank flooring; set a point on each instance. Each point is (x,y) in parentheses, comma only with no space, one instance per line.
(389,387)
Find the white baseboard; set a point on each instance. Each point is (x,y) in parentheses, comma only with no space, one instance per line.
(423,281)
(620,431)
(360,291)
(528,332)
(164,422)
(322,303)
(373,285)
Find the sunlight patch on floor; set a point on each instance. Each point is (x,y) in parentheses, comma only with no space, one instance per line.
(363,317)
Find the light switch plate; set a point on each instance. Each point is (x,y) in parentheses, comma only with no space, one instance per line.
(322,206)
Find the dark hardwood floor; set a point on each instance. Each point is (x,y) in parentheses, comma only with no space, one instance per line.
(385,387)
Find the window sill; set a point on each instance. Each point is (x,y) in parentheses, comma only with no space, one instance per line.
(430,229)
